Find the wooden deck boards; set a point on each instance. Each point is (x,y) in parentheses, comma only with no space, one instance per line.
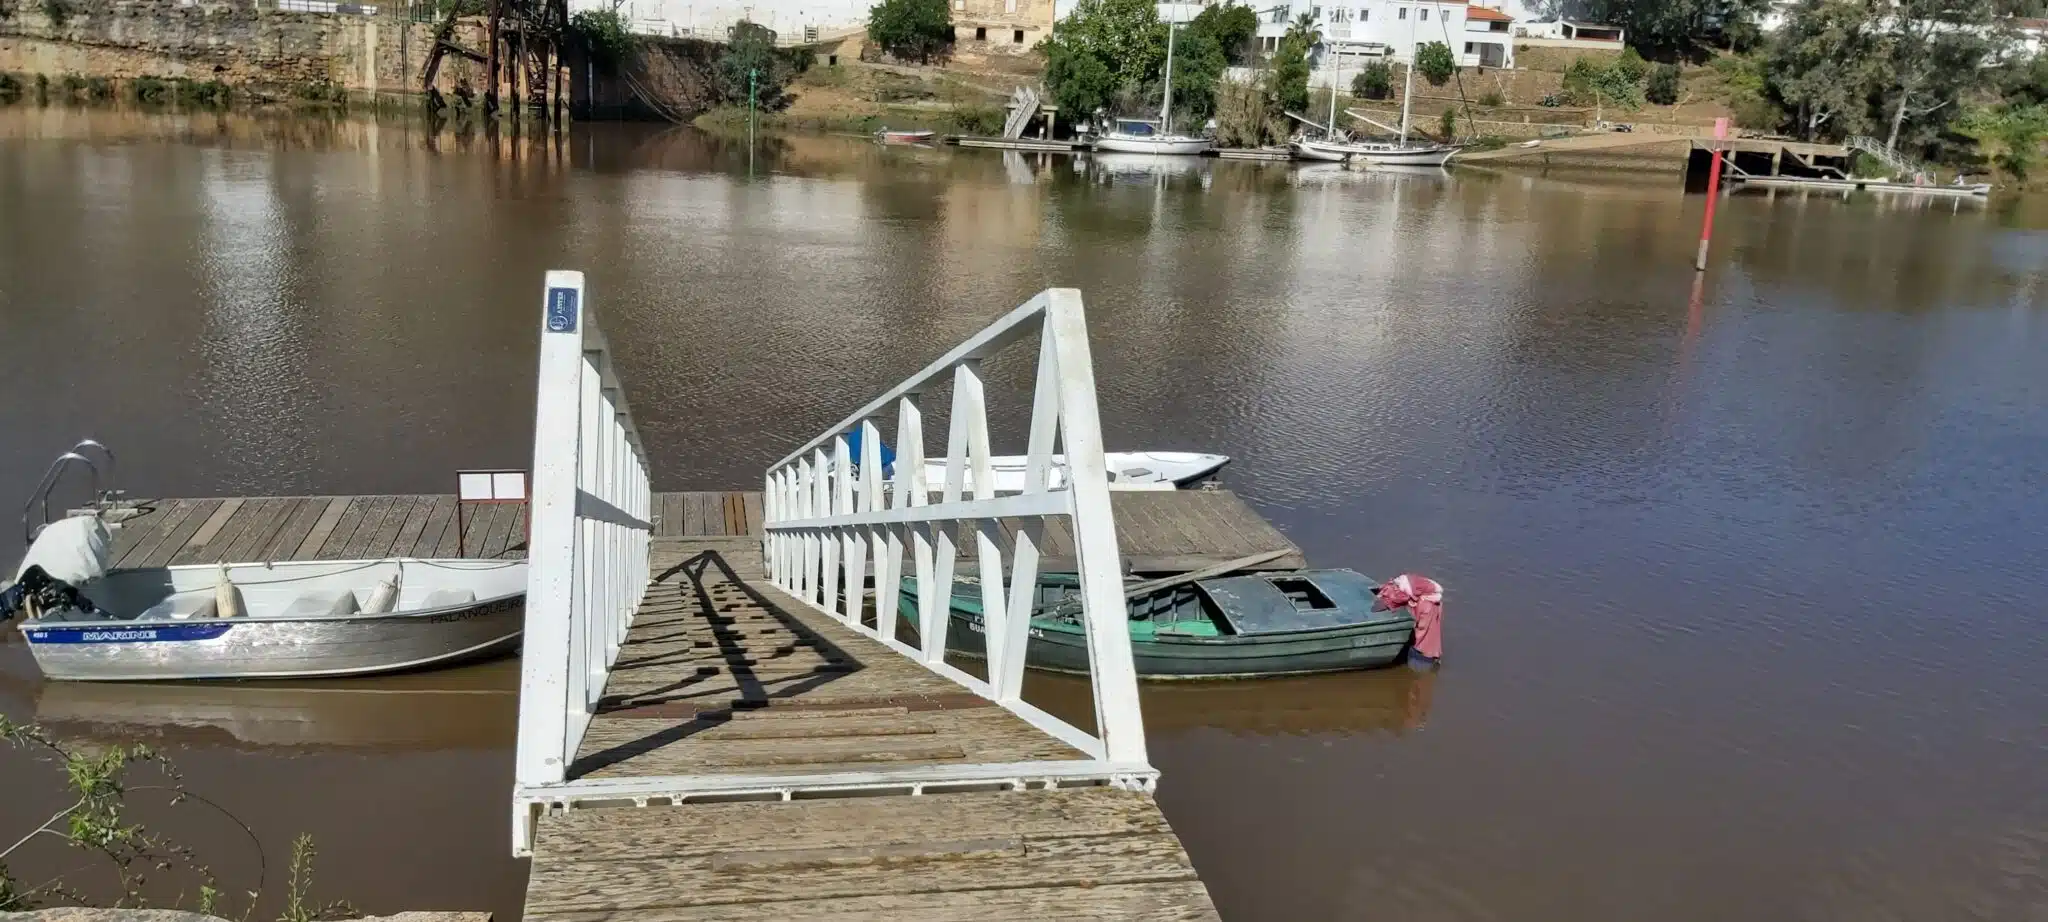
(725,674)
(1087,854)
(722,673)
(1164,531)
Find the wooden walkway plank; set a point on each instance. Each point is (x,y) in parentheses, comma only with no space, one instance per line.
(500,533)
(330,517)
(304,515)
(459,523)
(344,529)
(515,540)
(147,532)
(1179,901)
(209,535)
(735,514)
(439,515)
(374,512)
(482,518)
(174,539)
(693,515)
(408,537)
(266,518)
(386,536)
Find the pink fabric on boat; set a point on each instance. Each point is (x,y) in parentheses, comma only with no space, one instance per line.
(1425,600)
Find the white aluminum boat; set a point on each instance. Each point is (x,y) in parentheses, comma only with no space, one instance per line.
(256,620)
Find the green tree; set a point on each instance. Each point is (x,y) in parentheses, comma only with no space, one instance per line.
(604,37)
(1447,126)
(911,30)
(2026,83)
(1672,28)
(750,55)
(2010,135)
(1435,63)
(1104,50)
(1826,64)
(1663,86)
(1288,81)
(1079,81)
(1935,50)
(1374,81)
(1198,64)
(1232,26)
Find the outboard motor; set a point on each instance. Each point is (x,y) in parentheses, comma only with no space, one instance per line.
(1424,598)
(38,593)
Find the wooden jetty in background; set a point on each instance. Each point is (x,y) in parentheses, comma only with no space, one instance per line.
(1026,144)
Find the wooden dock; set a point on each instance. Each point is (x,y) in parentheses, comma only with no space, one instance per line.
(1160,531)
(723,673)
(1024,144)
(1253,153)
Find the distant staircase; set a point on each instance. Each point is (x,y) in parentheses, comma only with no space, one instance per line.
(1899,163)
(1023,105)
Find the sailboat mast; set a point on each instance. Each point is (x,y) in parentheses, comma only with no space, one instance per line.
(1330,130)
(1407,94)
(1166,107)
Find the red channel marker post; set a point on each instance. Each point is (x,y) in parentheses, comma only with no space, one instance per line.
(1713,195)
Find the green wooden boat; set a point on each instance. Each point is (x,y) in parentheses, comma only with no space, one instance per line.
(1263,624)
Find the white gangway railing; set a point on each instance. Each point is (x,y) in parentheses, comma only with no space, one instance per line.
(587,554)
(832,520)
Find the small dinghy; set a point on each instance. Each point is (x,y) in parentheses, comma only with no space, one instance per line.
(255,620)
(903,137)
(1262,624)
(1130,469)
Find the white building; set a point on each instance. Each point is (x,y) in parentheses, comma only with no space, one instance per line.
(1357,31)
(792,20)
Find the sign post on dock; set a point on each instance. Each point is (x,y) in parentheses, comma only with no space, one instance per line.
(1699,263)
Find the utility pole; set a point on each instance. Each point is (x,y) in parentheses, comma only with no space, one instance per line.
(752,73)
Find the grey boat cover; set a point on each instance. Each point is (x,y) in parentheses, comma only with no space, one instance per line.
(1299,600)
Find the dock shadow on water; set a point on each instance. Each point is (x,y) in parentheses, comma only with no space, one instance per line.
(1743,580)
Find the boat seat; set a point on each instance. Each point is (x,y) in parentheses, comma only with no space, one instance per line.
(444,598)
(321,605)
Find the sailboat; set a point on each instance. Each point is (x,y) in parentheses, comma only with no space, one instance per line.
(1144,136)
(1333,147)
(1401,153)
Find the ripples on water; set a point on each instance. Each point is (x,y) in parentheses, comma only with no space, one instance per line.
(1746,585)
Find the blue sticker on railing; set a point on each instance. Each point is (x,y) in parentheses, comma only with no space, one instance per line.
(561,310)
(157,634)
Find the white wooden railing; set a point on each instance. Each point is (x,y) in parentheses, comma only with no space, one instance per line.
(832,520)
(587,554)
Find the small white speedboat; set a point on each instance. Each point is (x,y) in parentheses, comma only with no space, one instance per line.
(1130,470)
(297,619)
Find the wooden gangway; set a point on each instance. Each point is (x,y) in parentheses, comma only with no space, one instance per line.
(751,726)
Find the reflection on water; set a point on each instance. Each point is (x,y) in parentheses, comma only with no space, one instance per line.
(1689,525)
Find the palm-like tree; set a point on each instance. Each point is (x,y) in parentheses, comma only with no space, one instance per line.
(1305,26)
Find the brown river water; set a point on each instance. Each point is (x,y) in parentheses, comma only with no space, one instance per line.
(1747,593)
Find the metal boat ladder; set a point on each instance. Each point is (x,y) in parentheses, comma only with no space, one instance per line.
(35,514)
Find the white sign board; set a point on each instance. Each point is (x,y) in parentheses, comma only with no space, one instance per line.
(490,486)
